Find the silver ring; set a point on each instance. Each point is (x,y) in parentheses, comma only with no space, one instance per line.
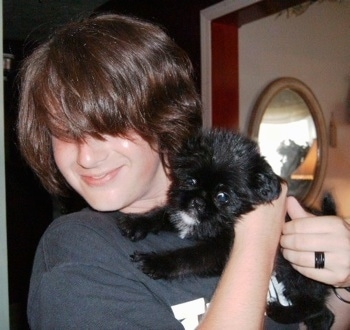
(319,260)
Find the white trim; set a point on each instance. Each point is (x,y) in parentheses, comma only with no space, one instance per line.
(206,16)
(206,68)
(4,301)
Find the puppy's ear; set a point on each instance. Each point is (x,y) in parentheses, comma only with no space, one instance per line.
(268,186)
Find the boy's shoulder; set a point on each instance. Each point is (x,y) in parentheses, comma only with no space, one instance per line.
(86,217)
(86,236)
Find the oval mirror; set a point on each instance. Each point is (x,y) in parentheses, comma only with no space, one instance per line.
(289,126)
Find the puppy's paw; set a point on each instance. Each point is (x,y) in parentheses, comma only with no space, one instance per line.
(132,228)
(154,265)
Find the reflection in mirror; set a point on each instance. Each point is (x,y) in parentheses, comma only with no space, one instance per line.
(289,127)
(286,134)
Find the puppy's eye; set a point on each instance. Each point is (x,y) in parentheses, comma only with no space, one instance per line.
(222,197)
(191,182)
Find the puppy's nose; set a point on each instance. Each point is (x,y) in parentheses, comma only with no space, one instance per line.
(198,204)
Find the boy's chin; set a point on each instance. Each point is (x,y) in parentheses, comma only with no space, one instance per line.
(103,204)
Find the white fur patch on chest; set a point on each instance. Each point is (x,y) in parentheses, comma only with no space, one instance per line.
(185,223)
(275,293)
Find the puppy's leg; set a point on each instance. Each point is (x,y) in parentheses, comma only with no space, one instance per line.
(137,226)
(203,259)
(322,321)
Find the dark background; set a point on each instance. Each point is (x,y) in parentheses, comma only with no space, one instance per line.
(30,209)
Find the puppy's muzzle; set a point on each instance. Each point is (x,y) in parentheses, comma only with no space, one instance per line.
(198,204)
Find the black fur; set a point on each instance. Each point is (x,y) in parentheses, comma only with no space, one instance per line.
(217,177)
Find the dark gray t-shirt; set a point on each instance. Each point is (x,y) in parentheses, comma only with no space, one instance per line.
(83,279)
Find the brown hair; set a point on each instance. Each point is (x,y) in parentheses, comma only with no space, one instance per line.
(105,75)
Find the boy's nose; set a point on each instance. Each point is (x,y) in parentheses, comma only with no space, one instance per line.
(91,153)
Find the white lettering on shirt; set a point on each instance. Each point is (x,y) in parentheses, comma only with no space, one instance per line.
(275,292)
(189,313)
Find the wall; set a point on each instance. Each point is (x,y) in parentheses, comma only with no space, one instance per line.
(315,48)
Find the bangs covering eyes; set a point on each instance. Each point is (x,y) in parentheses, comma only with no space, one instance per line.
(75,108)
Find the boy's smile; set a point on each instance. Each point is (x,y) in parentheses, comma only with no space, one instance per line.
(116,173)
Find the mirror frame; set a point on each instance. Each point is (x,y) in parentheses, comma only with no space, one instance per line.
(316,112)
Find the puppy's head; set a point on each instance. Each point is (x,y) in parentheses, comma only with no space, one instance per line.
(218,176)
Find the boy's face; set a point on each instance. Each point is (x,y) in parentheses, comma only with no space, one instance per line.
(117,173)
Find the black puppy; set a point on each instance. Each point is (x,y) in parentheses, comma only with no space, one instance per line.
(217,177)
